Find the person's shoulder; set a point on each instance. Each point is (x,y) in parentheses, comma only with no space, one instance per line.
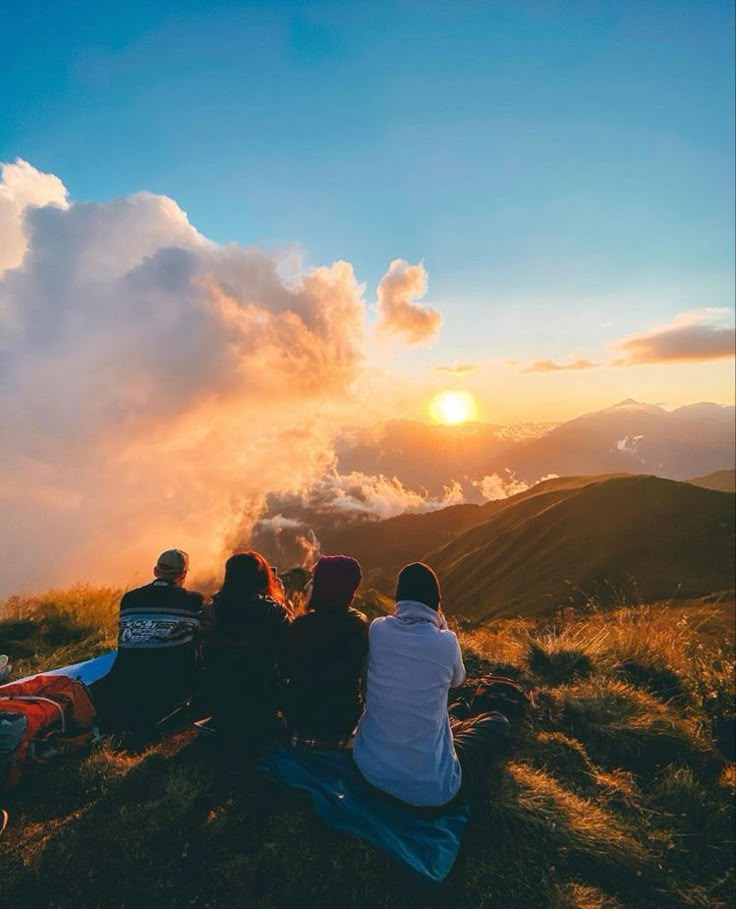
(380,624)
(303,621)
(136,593)
(277,610)
(449,640)
(190,599)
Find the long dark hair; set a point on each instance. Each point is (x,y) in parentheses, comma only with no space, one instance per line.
(248,577)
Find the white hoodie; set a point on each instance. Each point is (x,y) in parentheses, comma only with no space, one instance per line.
(403,745)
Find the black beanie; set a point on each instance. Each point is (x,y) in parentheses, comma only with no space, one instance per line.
(418,582)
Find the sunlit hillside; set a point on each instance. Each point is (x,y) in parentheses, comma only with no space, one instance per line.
(618,792)
(618,540)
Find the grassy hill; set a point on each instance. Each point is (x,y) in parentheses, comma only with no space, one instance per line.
(618,792)
(615,539)
(721,480)
(382,547)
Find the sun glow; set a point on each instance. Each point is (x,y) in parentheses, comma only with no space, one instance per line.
(452,407)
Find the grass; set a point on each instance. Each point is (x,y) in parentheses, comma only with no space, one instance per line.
(619,790)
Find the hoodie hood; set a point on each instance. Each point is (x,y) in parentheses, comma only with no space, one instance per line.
(412,612)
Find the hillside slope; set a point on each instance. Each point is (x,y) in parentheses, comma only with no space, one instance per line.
(384,546)
(614,539)
(617,792)
(721,480)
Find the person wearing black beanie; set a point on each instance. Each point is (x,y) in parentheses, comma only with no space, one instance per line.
(418,582)
(405,744)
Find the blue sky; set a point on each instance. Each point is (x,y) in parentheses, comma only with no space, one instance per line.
(564,170)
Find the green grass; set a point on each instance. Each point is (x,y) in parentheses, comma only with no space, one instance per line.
(618,791)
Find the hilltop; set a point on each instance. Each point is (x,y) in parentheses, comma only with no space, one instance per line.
(616,540)
(615,537)
(618,792)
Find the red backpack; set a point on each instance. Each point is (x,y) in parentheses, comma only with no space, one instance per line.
(45,716)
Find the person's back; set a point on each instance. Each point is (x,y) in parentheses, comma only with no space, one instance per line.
(404,742)
(324,659)
(244,640)
(158,637)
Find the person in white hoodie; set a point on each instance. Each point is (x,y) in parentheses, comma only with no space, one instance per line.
(405,745)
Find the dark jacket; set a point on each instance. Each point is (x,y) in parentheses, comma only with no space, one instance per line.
(159,616)
(155,667)
(323,662)
(243,644)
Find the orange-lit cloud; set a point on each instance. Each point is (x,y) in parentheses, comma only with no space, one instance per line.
(398,313)
(703,334)
(156,386)
(459,371)
(552,366)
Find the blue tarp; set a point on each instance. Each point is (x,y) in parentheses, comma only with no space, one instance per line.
(345,801)
(88,672)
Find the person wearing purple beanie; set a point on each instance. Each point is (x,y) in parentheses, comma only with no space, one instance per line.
(324,659)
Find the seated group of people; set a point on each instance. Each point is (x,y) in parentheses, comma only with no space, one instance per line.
(324,679)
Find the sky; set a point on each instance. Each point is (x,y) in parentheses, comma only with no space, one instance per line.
(288,217)
(564,171)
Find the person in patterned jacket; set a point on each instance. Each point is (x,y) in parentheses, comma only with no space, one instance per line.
(156,663)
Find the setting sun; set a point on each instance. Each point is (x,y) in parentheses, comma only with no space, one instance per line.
(451,407)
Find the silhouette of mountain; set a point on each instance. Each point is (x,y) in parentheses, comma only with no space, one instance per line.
(629,437)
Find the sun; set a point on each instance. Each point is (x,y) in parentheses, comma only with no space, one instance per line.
(453,407)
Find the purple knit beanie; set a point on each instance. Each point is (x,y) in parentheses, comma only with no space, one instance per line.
(334,582)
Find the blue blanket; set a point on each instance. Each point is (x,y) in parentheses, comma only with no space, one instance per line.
(88,672)
(343,800)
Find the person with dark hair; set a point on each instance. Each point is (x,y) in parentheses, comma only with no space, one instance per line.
(156,663)
(325,658)
(405,745)
(245,635)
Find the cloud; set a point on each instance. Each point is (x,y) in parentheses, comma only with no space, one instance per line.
(360,495)
(629,444)
(459,371)
(22,188)
(552,366)
(154,386)
(494,486)
(398,313)
(702,334)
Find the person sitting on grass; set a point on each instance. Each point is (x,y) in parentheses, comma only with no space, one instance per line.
(244,639)
(156,663)
(324,659)
(405,745)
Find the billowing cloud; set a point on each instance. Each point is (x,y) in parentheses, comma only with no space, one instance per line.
(154,386)
(398,313)
(552,366)
(703,334)
(22,188)
(459,371)
(360,495)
